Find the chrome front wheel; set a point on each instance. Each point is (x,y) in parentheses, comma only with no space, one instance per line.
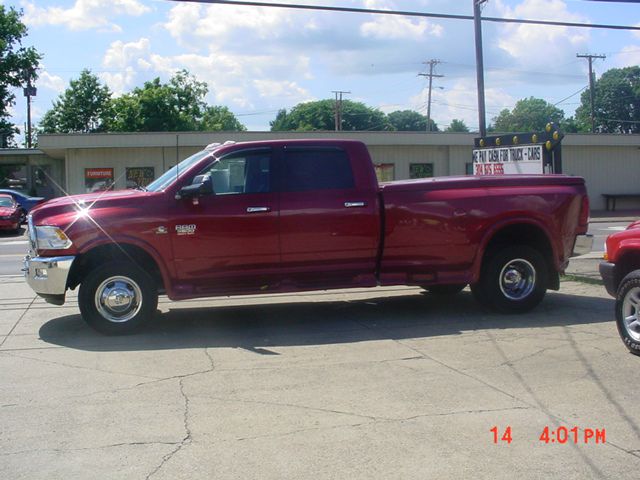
(118,299)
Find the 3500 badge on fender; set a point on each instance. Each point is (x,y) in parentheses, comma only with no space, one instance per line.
(186,229)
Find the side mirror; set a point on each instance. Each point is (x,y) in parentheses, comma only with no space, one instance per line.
(201,185)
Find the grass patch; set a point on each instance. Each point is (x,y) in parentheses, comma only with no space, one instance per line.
(581,279)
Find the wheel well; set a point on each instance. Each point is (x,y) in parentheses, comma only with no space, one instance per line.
(525,234)
(626,264)
(85,262)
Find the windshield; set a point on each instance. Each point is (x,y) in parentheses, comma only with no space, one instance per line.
(6,202)
(168,177)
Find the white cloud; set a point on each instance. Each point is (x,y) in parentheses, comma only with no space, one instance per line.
(460,101)
(84,14)
(235,79)
(282,89)
(525,43)
(190,24)
(122,61)
(52,82)
(628,56)
(394,28)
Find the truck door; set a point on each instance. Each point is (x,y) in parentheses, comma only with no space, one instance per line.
(328,226)
(228,241)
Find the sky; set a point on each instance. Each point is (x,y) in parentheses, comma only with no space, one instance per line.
(258,60)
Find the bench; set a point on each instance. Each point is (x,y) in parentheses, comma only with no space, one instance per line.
(614,196)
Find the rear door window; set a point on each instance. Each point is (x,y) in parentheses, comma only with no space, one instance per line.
(316,168)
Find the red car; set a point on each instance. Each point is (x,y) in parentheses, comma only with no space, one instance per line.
(620,272)
(9,213)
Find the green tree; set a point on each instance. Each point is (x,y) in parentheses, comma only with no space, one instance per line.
(320,115)
(410,121)
(529,115)
(616,102)
(219,118)
(18,67)
(457,126)
(170,107)
(85,107)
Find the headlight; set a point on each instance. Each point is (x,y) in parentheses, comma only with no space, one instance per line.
(51,238)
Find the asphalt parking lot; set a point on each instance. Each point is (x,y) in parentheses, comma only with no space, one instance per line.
(382,383)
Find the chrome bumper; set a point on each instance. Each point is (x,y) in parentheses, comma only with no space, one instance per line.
(47,276)
(583,245)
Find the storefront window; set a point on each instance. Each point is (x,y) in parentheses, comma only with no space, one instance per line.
(98,179)
(13,177)
(420,170)
(139,176)
(386,172)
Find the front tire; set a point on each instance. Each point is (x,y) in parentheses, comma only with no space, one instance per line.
(512,280)
(628,311)
(117,298)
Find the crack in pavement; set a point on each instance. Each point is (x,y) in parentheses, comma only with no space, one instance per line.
(512,362)
(80,449)
(361,424)
(80,367)
(18,321)
(292,405)
(187,439)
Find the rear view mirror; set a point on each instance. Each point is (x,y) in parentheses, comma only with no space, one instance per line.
(201,185)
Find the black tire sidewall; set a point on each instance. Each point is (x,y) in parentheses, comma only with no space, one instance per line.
(488,291)
(93,280)
(632,280)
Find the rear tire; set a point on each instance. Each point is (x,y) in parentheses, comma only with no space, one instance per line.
(445,290)
(512,280)
(117,298)
(628,311)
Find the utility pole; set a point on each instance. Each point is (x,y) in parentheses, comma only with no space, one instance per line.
(29,91)
(592,86)
(477,23)
(338,109)
(432,63)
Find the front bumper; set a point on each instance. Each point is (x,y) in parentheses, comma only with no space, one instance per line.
(47,276)
(583,245)
(608,274)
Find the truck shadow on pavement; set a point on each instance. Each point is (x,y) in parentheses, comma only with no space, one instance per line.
(324,320)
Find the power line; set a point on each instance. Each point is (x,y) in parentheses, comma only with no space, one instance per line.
(405,13)
(572,95)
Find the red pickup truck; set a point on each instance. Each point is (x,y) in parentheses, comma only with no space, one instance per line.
(286,216)
(620,272)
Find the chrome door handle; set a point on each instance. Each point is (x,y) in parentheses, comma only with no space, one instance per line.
(258,209)
(355,204)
